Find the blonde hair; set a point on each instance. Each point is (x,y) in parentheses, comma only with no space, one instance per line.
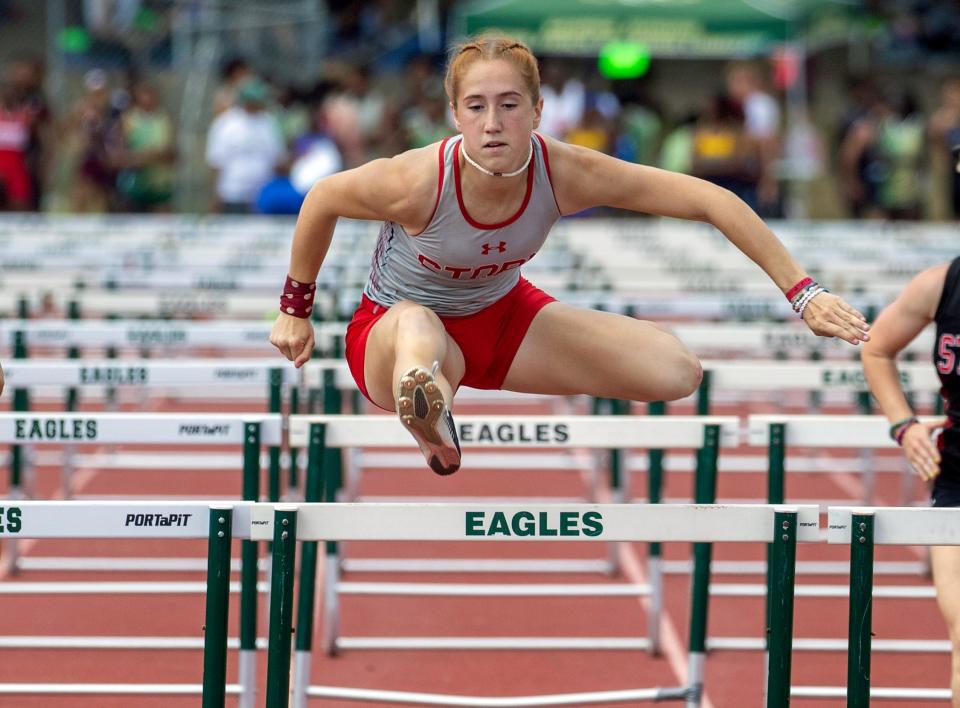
(485,48)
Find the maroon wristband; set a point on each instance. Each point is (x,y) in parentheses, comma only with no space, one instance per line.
(902,430)
(297,298)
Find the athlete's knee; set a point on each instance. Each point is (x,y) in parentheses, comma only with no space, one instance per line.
(416,319)
(686,375)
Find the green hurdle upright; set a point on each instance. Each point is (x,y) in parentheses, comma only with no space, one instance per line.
(862,529)
(218,604)
(655,551)
(698,523)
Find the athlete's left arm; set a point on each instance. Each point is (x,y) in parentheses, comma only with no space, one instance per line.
(586,178)
(894,329)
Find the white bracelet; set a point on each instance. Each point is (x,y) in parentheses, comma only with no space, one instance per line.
(805,298)
(807,302)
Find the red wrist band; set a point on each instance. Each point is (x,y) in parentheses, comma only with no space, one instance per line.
(798,287)
(297,298)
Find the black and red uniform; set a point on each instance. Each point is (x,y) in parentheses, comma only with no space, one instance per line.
(946,357)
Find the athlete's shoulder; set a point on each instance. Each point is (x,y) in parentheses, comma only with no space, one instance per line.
(415,170)
(922,294)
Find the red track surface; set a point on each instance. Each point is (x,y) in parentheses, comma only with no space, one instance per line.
(734,679)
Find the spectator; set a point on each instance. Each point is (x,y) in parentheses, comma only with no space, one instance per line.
(315,154)
(944,132)
(564,101)
(146,178)
(426,121)
(95,126)
(676,152)
(244,149)
(594,132)
(16,191)
(881,161)
(724,152)
(25,77)
(762,123)
(858,166)
(901,148)
(234,72)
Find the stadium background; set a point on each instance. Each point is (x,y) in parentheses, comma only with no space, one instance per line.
(847,112)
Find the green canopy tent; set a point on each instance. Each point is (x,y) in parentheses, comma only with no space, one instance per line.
(668,28)
(679,29)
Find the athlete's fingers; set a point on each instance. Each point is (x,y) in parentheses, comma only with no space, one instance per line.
(922,454)
(302,356)
(830,316)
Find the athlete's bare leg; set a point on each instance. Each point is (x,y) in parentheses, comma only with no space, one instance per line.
(402,348)
(409,335)
(569,350)
(945,561)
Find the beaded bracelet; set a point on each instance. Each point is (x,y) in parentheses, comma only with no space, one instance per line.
(804,294)
(899,429)
(297,298)
(808,297)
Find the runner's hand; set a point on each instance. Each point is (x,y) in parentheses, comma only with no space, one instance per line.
(830,316)
(919,449)
(293,336)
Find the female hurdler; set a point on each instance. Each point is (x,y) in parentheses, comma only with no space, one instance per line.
(445,304)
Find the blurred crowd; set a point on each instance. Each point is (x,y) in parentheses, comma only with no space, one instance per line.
(115,148)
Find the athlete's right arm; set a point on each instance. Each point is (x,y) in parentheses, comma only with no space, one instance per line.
(385,189)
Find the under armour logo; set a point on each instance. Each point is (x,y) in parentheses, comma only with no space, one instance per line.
(499,248)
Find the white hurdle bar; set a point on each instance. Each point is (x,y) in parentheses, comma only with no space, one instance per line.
(186,373)
(219,522)
(319,433)
(476,522)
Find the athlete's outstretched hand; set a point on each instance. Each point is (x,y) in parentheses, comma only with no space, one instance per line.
(830,316)
(293,336)
(919,449)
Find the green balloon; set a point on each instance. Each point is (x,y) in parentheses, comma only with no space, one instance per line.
(74,40)
(623,60)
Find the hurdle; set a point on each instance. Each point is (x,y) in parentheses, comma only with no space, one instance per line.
(249,430)
(324,436)
(217,522)
(776,432)
(329,379)
(863,528)
(140,334)
(811,376)
(190,375)
(702,524)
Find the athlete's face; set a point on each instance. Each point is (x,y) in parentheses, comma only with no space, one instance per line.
(496,114)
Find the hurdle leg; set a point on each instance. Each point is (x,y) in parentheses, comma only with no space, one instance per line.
(654,553)
(861,611)
(313,492)
(249,573)
(281,606)
(780,612)
(776,491)
(706,493)
(218,605)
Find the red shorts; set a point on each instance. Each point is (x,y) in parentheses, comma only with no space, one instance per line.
(489,339)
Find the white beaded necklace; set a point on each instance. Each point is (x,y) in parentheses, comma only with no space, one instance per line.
(485,171)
